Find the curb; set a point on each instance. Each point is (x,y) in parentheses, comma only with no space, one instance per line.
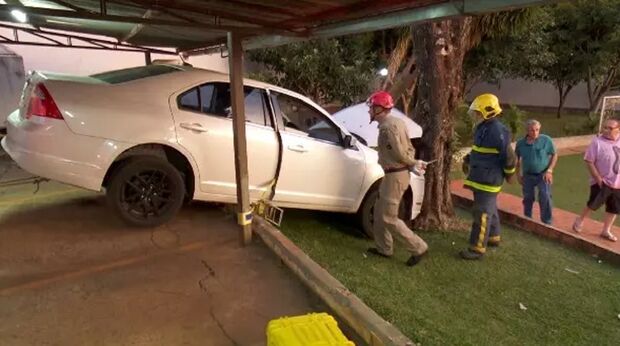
(373,329)
(545,231)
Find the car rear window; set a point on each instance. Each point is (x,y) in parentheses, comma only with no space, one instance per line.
(129,74)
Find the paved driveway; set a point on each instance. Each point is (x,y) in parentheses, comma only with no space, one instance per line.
(72,274)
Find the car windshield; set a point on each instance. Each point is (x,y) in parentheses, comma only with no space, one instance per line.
(129,74)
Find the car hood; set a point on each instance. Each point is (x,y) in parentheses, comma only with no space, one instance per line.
(356,120)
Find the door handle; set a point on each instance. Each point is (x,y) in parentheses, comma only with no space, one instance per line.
(298,148)
(194,127)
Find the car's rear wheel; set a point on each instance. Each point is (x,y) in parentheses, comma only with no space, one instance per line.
(146,191)
(365,214)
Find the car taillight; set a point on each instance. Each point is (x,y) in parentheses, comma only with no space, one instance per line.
(42,104)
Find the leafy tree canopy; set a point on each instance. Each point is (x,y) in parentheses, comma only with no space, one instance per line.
(325,70)
(564,44)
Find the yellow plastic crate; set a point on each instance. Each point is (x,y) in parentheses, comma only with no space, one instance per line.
(316,329)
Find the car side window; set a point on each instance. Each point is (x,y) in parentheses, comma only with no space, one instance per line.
(206,97)
(190,100)
(299,117)
(214,99)
(255,106)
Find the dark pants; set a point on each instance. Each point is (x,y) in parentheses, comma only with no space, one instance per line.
(486,221)
(530,183)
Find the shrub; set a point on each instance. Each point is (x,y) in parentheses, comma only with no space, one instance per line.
(514,118)
(585,127)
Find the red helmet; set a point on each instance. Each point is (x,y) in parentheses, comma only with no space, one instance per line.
(381,98)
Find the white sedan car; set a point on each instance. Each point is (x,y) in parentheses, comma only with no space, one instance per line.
(155,136)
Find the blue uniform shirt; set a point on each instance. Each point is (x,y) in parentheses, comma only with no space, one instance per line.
(491,158)
(535,156)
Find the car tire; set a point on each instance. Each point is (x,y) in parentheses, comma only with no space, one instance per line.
(365,213)
(146,191)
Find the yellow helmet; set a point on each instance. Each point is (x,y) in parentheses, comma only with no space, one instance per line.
(487,105)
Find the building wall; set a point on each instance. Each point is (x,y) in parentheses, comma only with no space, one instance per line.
(535,94)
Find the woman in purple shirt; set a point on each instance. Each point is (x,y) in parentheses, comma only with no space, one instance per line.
(603,161)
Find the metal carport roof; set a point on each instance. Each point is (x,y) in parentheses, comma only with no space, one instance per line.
(192,24)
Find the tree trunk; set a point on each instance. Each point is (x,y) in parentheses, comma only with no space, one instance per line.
(560,104)
(563,92)
(589,87)
(439,50)
(601,89)
(404,79)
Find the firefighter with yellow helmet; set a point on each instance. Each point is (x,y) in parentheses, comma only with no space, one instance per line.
(490,161)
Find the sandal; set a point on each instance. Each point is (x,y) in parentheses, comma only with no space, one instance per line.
(577,225)
(609,236)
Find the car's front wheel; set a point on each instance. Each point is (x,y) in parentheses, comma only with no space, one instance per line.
(146,191)
(366,211)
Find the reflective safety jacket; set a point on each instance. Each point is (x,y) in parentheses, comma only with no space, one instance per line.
(491,158)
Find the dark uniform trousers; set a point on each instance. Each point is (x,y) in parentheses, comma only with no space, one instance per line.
(485,227)
(491,160)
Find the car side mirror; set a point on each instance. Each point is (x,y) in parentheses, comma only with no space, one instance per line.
(349,141)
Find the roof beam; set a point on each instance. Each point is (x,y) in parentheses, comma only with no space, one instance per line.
(140,4)
(263,7)
(103,7)
(99,43)
(136,29)
(58,43)
(400,18)
(357,9)
(71,6)
(76,46)
(172,6)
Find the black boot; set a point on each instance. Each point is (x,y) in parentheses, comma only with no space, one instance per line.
(415,259)
(470,255)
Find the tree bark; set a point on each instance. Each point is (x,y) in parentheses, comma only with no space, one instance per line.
(404,80)
(439,50)
(596,94)
(563,92)
(558,112)
(589,87)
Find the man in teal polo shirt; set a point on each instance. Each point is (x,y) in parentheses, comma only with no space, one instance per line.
(536,158)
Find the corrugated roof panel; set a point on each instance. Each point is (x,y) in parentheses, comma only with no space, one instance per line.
(196,23)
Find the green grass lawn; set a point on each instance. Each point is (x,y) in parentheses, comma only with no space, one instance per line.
(571,186)
(555,127)
(448,301)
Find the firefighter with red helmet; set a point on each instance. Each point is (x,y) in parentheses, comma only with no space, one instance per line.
(396,157)
(490,161)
